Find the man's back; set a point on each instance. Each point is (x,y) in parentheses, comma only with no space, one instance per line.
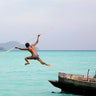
(32,49)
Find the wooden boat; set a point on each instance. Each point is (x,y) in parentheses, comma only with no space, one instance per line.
(76,84)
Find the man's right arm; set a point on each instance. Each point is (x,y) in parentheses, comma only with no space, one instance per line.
(36,40)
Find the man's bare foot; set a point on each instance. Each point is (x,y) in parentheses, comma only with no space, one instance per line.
(48,64)
(27,63)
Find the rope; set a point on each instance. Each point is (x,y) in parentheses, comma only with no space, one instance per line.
(5,52)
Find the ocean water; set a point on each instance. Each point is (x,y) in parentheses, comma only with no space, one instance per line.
(17,79)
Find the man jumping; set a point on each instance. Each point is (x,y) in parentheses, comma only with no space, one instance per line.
(33,51)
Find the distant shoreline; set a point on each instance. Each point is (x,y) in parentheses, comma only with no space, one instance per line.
(49,50)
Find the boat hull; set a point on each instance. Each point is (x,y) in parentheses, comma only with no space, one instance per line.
(74,86)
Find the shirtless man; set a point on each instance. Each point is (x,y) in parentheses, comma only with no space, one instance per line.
(33,51)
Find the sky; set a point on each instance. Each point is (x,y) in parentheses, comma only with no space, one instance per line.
(63,24)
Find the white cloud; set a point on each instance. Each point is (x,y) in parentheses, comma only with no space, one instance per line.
(8,2)
(19,18)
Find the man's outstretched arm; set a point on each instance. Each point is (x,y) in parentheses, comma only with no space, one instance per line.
(21,48)
(36,40)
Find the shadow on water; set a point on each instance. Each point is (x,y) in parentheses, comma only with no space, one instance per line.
(66,94)
(71,94)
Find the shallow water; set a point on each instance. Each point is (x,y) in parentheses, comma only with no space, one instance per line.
(16,79)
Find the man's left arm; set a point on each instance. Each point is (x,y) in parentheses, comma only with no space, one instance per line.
(21,48)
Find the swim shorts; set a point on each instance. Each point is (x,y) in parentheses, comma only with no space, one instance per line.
(35,56)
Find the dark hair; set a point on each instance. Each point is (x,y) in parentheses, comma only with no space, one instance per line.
(27,44)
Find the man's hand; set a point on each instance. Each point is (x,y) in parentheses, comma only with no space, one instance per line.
(38,35)
(16,47)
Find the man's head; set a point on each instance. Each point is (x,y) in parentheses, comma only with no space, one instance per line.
(27,44)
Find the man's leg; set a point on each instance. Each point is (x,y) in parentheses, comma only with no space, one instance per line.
(43,62)
(26,59)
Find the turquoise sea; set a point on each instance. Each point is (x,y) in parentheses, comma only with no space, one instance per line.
(17,79)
